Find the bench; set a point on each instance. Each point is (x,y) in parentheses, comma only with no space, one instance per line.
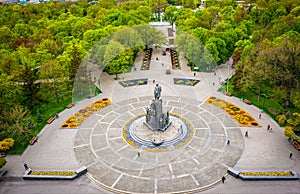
(50,120)
(247,102)
(33,140)
(228,94)
(70,106)
(296,145)
(91,96)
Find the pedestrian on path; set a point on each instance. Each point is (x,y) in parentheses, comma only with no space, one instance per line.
(228,142)
(25,166)
(139,154)
(291,155)
(246,134)
(223,179)
(194,74)
(259,116)
(268,127)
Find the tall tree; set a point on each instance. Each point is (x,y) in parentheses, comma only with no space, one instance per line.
(170,14)
(74,63)
(284,55)
(53,74)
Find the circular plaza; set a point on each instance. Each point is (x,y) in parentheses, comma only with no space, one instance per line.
(119,165)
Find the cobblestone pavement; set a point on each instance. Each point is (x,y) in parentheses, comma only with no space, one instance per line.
(114,164)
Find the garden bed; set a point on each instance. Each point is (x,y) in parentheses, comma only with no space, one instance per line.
(264,175)
(239,115)
(75,120)
(54,175)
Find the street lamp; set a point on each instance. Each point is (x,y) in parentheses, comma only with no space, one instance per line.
(265,96)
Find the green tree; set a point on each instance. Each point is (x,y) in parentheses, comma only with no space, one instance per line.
(120,63)
(74,63)
(14,121)
(54,75)
(170,14)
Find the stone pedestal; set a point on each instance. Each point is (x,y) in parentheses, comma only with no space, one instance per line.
(156,120)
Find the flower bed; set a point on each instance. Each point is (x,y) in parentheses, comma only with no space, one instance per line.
(75,120)
(186,82)
(66,175)
(134,82)
(264,175)
(146,60)
(174,59)
(242,117)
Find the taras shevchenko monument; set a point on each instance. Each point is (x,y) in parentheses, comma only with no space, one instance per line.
(156,120)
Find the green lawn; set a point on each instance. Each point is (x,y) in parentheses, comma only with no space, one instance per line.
(271,101)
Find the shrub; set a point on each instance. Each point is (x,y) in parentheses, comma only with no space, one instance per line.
(2,162)
(288,131)
(281,119)
(6,144)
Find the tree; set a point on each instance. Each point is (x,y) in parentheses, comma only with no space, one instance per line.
(14,121)
(27,77)
(74,63)
(120,63)
(284,56)
(54,75)
(150,36)
(8,92)
(256,70)
(158,6)
(170,14)
(218,49)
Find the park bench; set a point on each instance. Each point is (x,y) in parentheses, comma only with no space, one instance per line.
(296,145)
(33,140)
(91,96)
(247,102)
(70,106)
(50,120)
(227,93)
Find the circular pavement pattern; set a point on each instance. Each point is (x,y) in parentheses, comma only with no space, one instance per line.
(115,165)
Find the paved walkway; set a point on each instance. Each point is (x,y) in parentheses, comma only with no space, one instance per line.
(54,150)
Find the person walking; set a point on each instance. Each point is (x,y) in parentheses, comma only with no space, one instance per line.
(291,155)
(259,116)
(268,127)
(246,134)
(228,142)
(139,154)
(223,179)
(25,166)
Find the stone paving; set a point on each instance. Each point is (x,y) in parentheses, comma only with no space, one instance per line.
(100,146)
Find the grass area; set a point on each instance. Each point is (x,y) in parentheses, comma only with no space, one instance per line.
(271,100)
(46,110)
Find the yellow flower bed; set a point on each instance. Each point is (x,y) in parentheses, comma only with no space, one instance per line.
(53,173)
(239,115)
(75,120)
(283,173)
